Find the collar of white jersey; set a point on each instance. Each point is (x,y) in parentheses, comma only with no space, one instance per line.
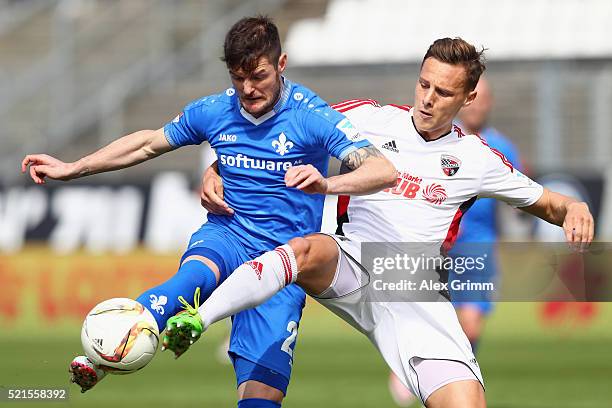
(440,139)
(284,96)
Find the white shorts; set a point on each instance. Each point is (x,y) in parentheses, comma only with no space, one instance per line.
(405,333)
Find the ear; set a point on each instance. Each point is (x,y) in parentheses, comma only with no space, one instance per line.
(282,63)
(470,98)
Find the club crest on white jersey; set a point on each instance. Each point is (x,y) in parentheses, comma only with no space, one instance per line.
(450,164)
(437,180)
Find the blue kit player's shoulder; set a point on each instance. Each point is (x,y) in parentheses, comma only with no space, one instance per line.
(192,126)
(327,127)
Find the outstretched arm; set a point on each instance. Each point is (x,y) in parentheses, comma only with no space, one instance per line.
(124,152)
(364,171)
(574,216)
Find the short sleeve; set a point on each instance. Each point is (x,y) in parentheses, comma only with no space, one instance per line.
(338,135)
(505,146)
(511,152)
(189,127)
(500,180)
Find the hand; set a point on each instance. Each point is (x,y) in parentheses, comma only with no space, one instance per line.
(306,178)
(211,194)
(579,226)
(42,165)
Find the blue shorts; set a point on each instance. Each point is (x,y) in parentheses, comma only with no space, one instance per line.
(478,299)
(262,339)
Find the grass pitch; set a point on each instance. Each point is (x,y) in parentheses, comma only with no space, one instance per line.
(564,364)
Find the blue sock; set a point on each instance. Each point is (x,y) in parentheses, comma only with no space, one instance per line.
(163,301)
(257,403)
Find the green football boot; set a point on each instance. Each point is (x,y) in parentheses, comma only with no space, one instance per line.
(184,328)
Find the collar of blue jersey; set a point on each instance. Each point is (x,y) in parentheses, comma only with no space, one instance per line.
(285,91)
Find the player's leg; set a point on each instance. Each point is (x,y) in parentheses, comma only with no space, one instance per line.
(195,271)
(223,249)
(401,395)
(311,261)
(472,319)
(317,259)
(163,301)
(474,306)
(458,394)
(262,346)
(447,375)
(256,281)
(84,373)
(201,267)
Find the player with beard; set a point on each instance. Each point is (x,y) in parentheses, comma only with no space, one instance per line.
(273,138)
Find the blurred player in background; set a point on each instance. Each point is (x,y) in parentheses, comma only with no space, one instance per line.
(480,226)
(273,139)
(422,342)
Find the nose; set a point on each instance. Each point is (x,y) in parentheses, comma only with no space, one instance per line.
(247,87)
(428,98)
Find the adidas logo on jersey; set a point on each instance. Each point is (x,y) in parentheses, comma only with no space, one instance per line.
(391,146)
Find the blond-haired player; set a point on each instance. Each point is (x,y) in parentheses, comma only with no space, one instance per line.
(441,171)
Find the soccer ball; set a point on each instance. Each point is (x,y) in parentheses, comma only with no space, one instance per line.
(120,335)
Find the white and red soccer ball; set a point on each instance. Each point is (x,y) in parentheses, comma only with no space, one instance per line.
(120,335)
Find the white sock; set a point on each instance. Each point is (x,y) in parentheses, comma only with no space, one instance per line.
(251,284)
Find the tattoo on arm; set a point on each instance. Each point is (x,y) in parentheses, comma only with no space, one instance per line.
(356,158)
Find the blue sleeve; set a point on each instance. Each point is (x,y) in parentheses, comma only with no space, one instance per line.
(335,132)
(189,127)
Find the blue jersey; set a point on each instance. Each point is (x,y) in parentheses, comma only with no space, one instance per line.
(254,154)
(479,224)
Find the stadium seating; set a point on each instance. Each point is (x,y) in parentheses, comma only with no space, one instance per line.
(373,31)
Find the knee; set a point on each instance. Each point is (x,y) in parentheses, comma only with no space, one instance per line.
(200,265)
(300,246)
(257,390)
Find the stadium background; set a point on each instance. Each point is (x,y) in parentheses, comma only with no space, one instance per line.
(75,74)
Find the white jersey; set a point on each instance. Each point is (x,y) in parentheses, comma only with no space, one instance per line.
(437,180)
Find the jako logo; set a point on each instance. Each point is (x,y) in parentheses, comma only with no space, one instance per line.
(247,162)
(257,267)
(282,145)
(227,138)
(157,304)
